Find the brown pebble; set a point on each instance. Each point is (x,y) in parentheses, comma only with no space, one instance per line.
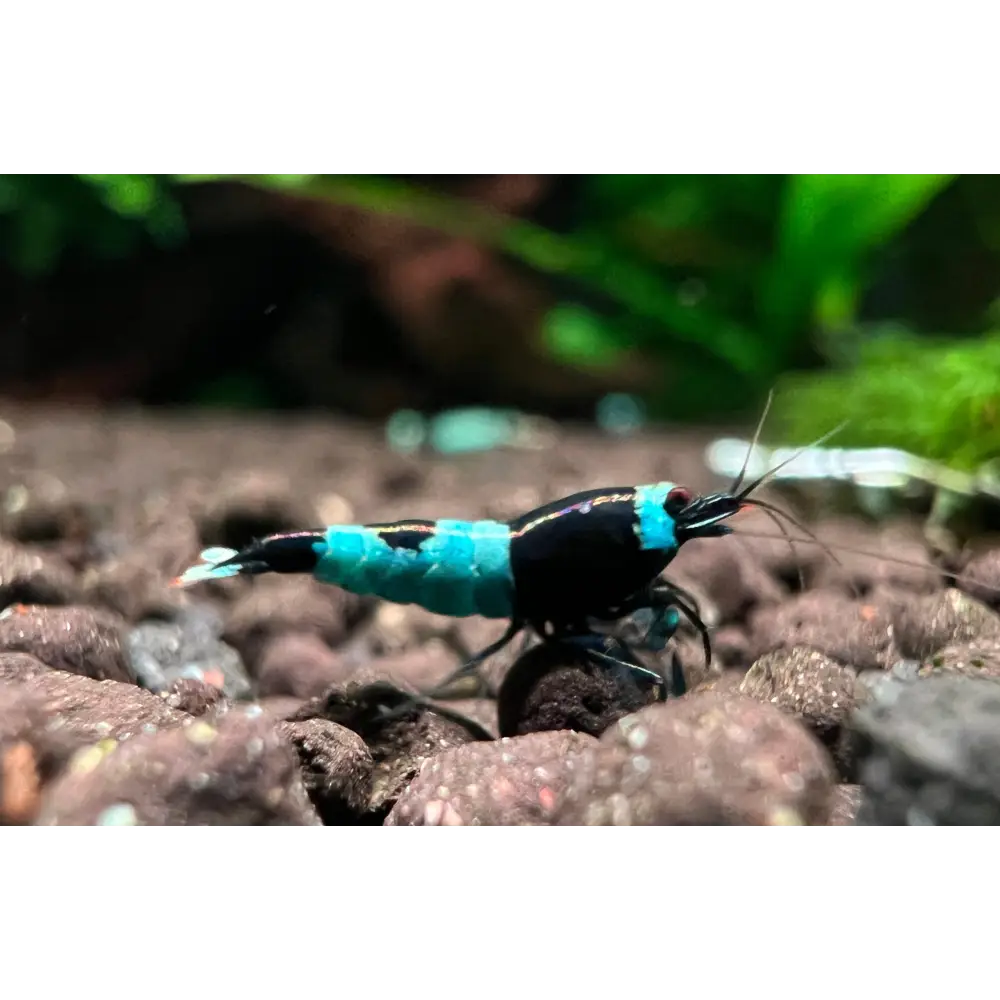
(75,639)
(727,576)
(510,782)
(186,694)
(399,742)
(974,658)
(818,691)
(980,577)
(857,634)
(131,588)
(32,576)
(239,772)
(19,785)
(805,683)
(277,605)
(336,768)
(300,665)
(925,625)
(60,714)
(704,759)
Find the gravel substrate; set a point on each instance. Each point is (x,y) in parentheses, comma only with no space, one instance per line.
(871,696)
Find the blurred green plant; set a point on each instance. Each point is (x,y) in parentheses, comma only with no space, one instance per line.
(44,216)
(938,399)
(724,281)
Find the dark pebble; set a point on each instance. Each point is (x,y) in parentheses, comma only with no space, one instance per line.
(336,768)
(399,734)
(554,686)
(250,506)
(30,576)
(929,753)
(195,697)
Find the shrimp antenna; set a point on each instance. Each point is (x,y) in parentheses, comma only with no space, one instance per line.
(738,481)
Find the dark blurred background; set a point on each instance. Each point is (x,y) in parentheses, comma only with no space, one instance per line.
(694,294)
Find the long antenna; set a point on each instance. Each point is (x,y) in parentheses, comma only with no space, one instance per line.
(738,481)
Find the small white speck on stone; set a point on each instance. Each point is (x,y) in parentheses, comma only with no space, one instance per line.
(148,727)
(917,817)
(199,781)
(120,814)
(472,791)
(443,791)
(541,774)
(200,733)
(640,763)
(795,781)
(638,738)
(255,748)
(784,816)
(253,711)
(507,758)
(450,816)
(432,812)
(103,727)
(621,811)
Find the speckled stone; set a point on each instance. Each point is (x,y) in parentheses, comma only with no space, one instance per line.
(514,781)
(74,639)
(805,683)
(237,772)
(336,768)
(704,759)
(854,633)
(926,625)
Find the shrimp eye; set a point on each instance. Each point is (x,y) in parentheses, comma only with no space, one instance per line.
(677,499)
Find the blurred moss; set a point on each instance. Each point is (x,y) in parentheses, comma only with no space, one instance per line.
(938,399)
(44,216)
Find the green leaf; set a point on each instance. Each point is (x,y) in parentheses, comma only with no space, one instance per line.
(828,226)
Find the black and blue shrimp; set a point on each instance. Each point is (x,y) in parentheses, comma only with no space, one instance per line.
(592,556)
